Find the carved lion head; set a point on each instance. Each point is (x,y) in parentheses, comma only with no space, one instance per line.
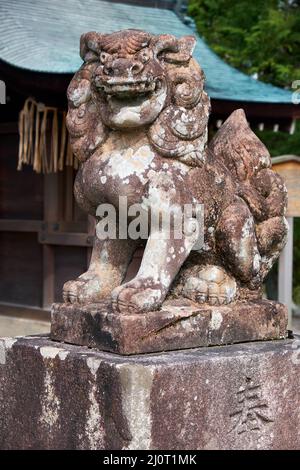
(131,79)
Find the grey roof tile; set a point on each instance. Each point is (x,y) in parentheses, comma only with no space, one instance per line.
(43,36)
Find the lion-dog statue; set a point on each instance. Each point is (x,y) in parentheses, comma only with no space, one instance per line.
(138,124)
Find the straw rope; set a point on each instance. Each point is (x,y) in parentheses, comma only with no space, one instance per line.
(44,141)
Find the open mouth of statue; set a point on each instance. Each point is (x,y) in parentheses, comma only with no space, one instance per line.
(130,103)
(129,90)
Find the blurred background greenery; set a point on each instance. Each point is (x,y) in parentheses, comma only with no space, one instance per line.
(262,39)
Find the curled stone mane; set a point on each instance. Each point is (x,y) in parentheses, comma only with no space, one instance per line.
(133,42)
(180,131)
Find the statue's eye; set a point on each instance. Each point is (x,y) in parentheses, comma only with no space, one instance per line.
(90,56)
(104,57)
(144,56)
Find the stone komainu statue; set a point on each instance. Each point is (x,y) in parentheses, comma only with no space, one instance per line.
(138,118)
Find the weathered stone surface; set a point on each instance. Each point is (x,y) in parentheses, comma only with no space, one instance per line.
(174,327)
(137,119)
(232,397)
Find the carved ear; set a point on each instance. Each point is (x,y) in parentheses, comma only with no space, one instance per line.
(163,43)
(89,45)
(186,46)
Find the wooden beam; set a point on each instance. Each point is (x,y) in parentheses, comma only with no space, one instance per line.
(65,238)
(20,225)
(79,226)
(26,225)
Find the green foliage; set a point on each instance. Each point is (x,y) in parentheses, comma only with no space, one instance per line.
(261,37)
(297,295)
(281,143)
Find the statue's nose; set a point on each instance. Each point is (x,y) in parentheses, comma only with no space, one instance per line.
(123,68)
(136,67)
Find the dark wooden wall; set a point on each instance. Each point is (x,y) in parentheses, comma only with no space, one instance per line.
(44,237)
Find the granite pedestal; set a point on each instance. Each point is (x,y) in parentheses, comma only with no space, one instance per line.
(59,396)
(178,325)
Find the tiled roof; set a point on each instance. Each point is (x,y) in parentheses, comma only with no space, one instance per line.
(43,36)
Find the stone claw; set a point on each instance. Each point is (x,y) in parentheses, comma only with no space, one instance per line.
(135,297)
(82,290)
(212,285)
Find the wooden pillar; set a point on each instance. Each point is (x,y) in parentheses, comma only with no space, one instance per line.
(52,213)
(285,277)
(288,166)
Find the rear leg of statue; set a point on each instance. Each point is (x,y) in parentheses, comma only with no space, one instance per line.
(108,266)
(271,236)
(215,285)
(238,245)
(209,284)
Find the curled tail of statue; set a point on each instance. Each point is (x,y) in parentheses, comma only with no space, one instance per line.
(237,147)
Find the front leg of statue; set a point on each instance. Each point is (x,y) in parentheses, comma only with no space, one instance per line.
(107,269)
(163,257)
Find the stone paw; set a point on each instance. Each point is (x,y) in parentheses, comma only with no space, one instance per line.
(84,289)
(211,285)
(135,297)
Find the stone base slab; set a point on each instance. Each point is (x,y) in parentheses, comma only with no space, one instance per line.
(58,396)
(174,327)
